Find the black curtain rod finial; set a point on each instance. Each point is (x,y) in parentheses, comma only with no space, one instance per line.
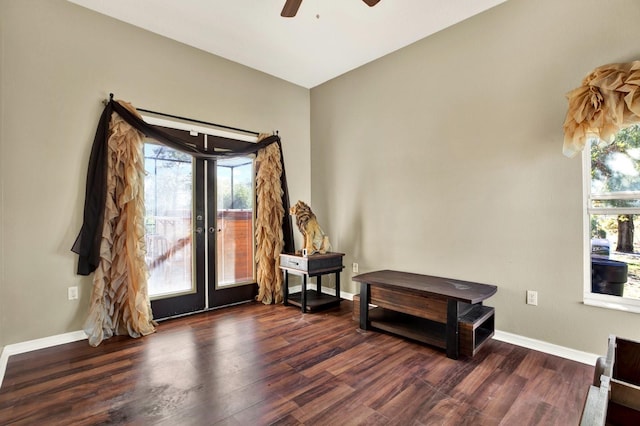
(105,102)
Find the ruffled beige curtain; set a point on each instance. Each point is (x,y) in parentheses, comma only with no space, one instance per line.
(119,300)
(269,216)
(607,101)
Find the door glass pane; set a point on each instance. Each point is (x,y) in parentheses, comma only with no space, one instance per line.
(168,193)
(235,201)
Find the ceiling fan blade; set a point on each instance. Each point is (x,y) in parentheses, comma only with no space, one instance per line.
(371,3)
(290,8)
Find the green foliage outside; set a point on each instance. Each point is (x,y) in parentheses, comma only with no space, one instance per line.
(627,143)
(241,197)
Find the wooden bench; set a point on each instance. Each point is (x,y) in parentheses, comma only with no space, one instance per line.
(442,312)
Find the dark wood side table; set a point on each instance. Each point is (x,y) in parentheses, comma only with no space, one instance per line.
(315,265)
(442,312)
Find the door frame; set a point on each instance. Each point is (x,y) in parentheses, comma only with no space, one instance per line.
(207,295)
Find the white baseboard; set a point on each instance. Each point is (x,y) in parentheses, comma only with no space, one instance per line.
(34,345)
(548,348)
(503,336)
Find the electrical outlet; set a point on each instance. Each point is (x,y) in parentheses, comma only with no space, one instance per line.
(355,267)
(72,293)
(532,297)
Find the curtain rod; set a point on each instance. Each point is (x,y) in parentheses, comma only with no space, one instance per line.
(221,126)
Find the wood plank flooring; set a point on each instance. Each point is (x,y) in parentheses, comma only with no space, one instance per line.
(257,365)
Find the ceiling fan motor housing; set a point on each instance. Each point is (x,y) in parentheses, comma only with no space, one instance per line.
(291,7)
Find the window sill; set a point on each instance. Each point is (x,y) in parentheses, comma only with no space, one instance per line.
(612,302)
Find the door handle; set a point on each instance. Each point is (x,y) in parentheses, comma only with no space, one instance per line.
(212,230)
(199,229)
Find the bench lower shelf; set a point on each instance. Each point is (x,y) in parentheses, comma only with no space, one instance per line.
(420,329)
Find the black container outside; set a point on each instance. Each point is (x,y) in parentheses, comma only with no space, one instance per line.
(608,276)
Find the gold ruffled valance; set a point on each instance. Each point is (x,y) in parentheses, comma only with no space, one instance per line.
(607,101)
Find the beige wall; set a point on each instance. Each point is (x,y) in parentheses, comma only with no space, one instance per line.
(445,158)
(58,61)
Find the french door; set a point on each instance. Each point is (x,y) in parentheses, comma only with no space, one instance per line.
(199,218)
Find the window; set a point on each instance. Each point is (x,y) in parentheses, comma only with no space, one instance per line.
(613,208)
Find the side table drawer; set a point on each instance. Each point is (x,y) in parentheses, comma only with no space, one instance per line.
(293,262)
(314,264)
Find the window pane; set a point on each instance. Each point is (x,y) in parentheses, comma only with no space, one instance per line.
(235,197)
(614,203)
(615,167)
(613,240)
(168,205)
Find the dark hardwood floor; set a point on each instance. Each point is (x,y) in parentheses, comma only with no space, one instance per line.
(255,365)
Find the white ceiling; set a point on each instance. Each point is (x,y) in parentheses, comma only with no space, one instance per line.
(304,50)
